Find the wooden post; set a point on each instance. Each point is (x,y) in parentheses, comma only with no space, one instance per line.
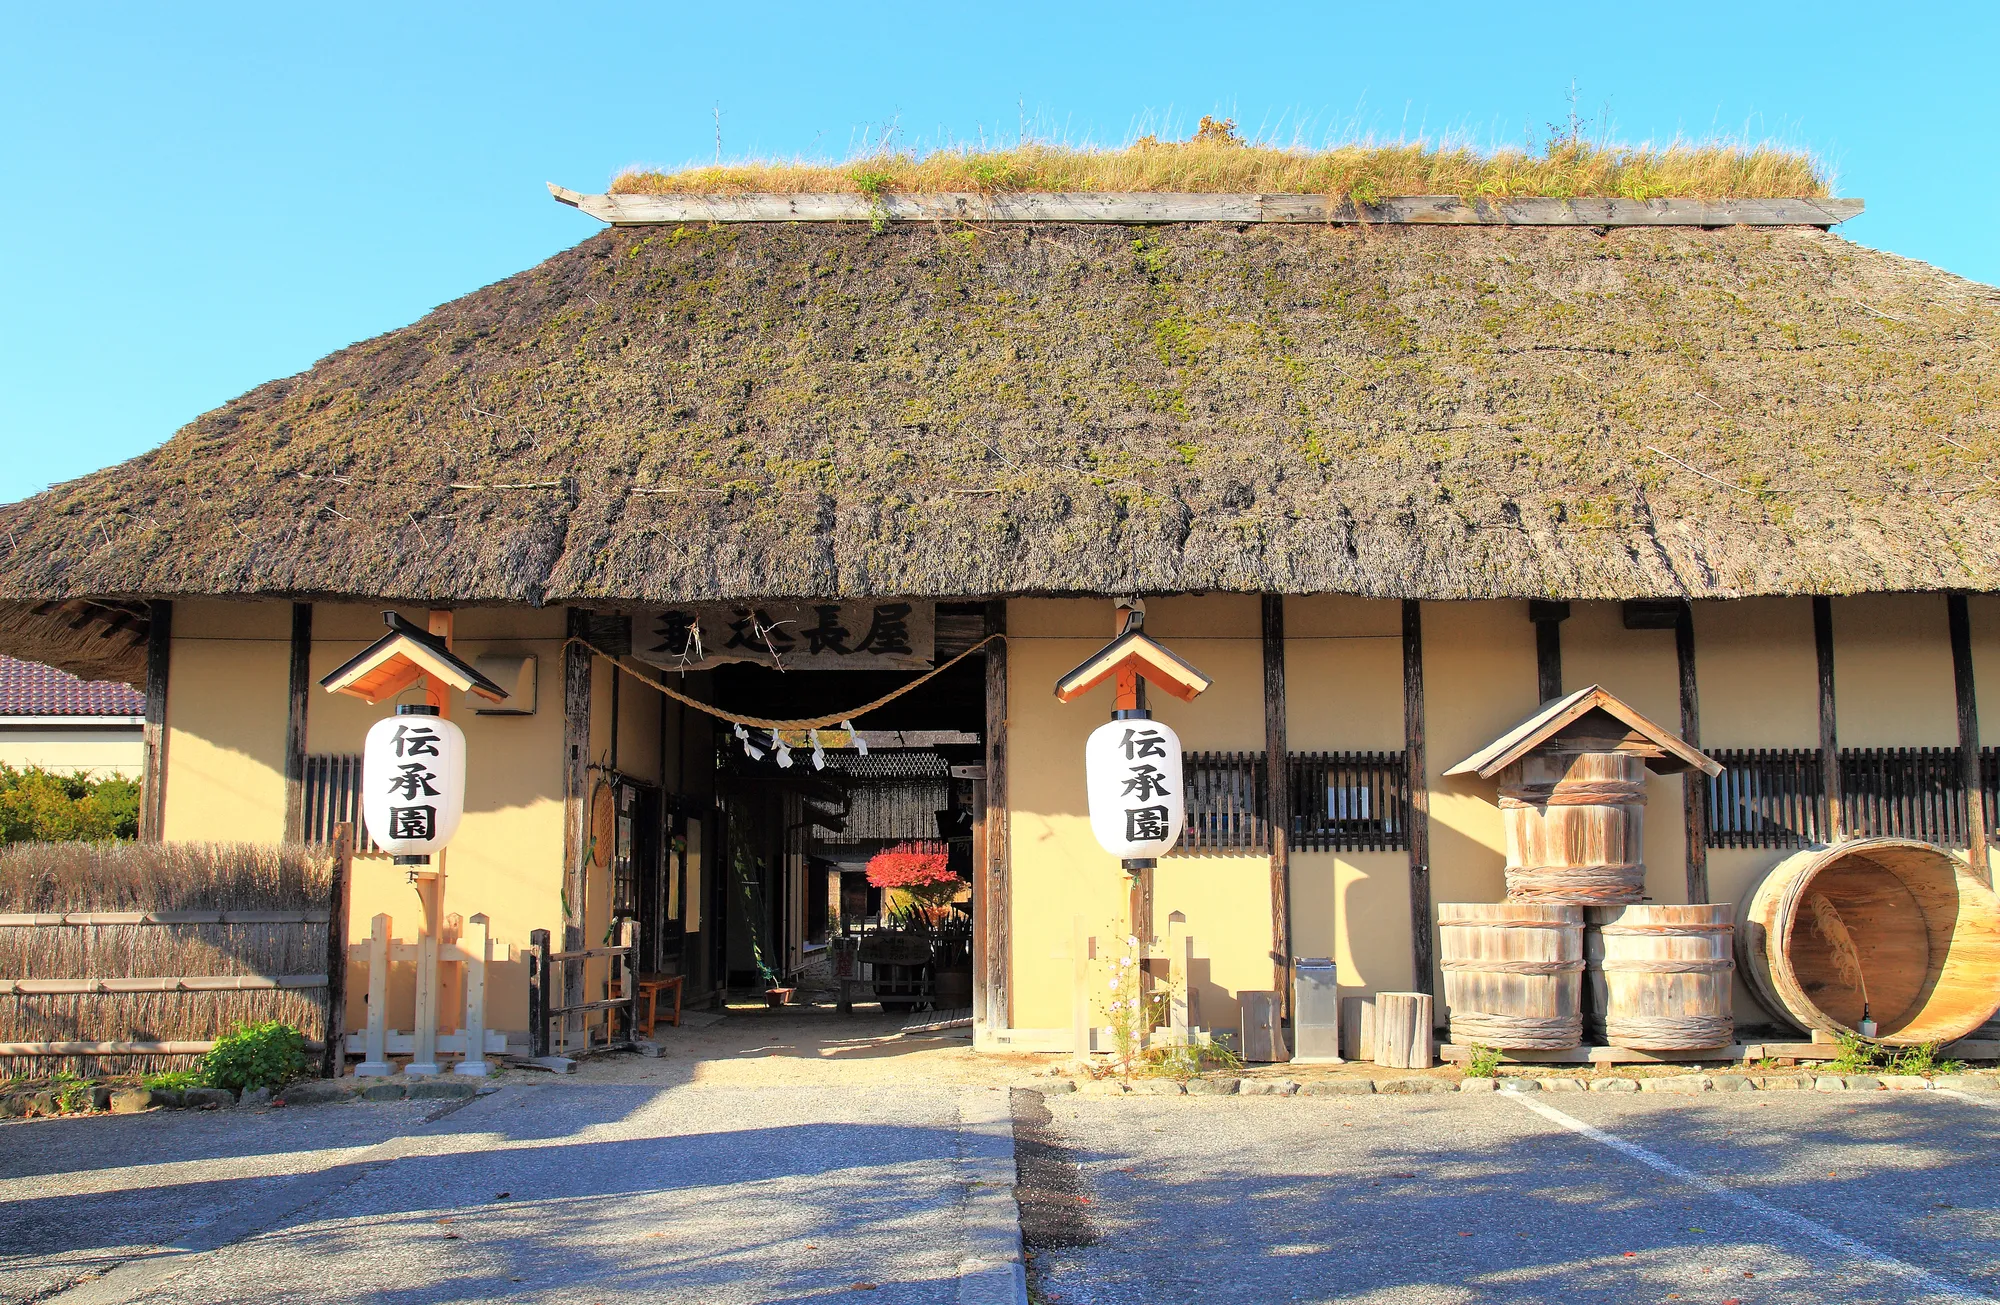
(1180,978)
(995,905)
(1403,1030)
(332,1058)
(576,792)
(628,938)
(477,944)
(423,1052)
(1278,789)
(1420,794)
(538,992)
(1960,620)
(1694,784)
(295,723)
(153,778)
(375,1062)
(1548,618)
(1829,741)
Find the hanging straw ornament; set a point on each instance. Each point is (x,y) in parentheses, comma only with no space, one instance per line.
(754,752)
(1846,956)
(860,744)
(784,753)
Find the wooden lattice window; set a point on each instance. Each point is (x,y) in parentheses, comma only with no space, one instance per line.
(1226,796)
(333,796)
(1350,801)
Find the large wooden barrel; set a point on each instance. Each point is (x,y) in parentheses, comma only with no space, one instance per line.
(1574,822)
(1921,930)
(1658,978)
(1512,973)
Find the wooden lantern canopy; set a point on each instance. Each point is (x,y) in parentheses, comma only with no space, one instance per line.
(1573,796)
(1129,658)
(402,657)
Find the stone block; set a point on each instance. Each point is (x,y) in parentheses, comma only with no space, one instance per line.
(1477,1085)
(1968,1082)
(254,1097)
(1101,1087)
(1730,1083)
(1518,1085)
(1906,1083)
(1679,1084)
(1829,1083)
(1861,1083)
(1211,1087)
(1562,1085)
(382,1091)
(1059,1086)
(1415,1085)
(1339,1087)
(431,1089)
(315,1092)
(130,1101)
(207,1098)
(1267,1087)
(43,1104)
(13,1105)
(1615,1085)
(1781,1082)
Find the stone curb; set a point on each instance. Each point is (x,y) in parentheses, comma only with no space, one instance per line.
(308,1092)
(1675,1085)
(994,1271)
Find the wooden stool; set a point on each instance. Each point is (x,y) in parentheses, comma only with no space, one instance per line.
(650,988)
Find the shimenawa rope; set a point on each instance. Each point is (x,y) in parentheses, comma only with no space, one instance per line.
(810,723)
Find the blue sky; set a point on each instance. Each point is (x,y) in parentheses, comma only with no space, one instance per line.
(204,198)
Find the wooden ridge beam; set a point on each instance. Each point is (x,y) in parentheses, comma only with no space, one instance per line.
(1165,206)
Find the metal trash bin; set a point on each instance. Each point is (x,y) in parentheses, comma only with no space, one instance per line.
(1315,1010)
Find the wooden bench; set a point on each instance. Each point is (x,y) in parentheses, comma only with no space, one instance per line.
(650,987)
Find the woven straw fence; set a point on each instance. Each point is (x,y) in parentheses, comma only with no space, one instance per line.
(46,878)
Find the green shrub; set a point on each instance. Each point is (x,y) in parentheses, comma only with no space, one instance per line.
(253,1056)
(1484,1062)
(173,1080)
(46,806)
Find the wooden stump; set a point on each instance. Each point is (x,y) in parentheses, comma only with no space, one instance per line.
(1357,1028)
(1403,1030)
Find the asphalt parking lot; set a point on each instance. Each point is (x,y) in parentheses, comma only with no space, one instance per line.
(1575,1197)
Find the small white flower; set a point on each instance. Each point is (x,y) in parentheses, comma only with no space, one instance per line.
(1131,941)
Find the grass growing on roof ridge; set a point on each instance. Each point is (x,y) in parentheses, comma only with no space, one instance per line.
(1221,164)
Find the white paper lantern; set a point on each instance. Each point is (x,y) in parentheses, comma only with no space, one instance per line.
(413,781)
(1132,769)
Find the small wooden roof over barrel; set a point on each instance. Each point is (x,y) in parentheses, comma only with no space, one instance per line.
(1589,720)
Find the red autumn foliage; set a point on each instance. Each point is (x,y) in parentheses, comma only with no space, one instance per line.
(910,865)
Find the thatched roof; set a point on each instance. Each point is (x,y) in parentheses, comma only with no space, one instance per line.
(682,413)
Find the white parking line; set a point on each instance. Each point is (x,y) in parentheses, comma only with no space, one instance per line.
(1798,1223)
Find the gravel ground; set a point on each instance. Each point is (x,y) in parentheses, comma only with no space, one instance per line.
(1848,1197)
(611,1192)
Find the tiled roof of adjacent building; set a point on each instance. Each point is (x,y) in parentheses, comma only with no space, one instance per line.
(31,689)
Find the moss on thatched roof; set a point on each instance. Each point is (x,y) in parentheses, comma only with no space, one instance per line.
(681,413)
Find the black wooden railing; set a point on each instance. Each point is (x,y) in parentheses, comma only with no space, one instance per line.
(1350,801)
(333,797)
(1771,797)
(1226,804)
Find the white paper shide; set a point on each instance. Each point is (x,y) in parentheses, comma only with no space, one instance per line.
(1132,769)
(413,783)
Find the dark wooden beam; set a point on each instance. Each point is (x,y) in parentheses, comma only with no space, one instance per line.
(1829,736)
(153,781)
(1420,796)
(994,1000)
(1968,733)
(295,723)
(1277,812)
(1694,784)
(576,795)
(1548,618)
(332,1056)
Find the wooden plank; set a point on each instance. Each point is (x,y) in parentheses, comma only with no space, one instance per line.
(585,953)
(1548,618)
(1165,206)
(1694,784)
(1278,808)
(1420,798)
(180,983)
(331,1061)
(153,766)
(576,790)
(1834,805)
(995,909)
(1968,734)
(81,918)
(295,723)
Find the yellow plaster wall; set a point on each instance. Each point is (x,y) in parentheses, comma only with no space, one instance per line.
(1355,907)
(1756,673)
(1058,869)
(97,751)
(1892,678)
(228,683)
